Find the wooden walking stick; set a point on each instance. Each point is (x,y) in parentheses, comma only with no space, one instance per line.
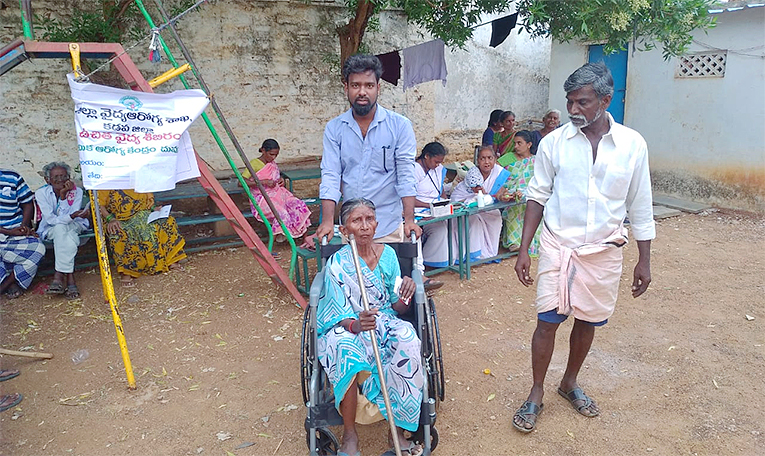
(5,351)
(373,335)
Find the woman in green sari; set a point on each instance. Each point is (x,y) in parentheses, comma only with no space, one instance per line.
(514,189)
(504,141)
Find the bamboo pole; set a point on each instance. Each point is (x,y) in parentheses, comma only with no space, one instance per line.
(5,351)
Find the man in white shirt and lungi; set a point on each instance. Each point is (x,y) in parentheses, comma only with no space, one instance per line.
(589,176)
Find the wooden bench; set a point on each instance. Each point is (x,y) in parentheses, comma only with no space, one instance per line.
(297,174)
(223,237)
(193,189)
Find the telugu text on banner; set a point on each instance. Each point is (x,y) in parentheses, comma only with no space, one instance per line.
(134,140)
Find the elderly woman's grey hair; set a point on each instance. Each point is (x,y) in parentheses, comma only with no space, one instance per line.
(550,111)
(350,205)
(595,74)
(53,165)
(484,147)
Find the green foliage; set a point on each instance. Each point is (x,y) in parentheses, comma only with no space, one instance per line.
(617,22)
(99,26)
(109,21)
(614,23)
(451,21)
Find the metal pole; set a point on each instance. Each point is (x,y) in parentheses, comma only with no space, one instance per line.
(222,119)
(103,256)
(26,19)
(106,281)
(375,348)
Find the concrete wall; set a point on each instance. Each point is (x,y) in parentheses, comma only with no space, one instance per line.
(706,136)
(269,65)
(513,76)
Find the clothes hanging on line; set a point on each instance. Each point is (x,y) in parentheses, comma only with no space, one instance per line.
(500,29)
(424,62)
(391,62)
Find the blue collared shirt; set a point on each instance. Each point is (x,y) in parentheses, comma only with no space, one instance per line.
(379,167)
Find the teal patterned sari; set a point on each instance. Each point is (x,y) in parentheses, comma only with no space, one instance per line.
(344,354)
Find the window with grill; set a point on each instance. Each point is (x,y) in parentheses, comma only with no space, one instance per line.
(702,65)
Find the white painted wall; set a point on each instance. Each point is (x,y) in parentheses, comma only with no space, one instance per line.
(565,58)
(513,76)
(706,136)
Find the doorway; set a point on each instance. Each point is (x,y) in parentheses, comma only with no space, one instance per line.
(617,63)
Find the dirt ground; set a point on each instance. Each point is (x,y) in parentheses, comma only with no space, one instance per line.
(215,351)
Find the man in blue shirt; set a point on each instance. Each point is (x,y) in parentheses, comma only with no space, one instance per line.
(20,250)
(369,153)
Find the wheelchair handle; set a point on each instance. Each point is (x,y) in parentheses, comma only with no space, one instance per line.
(413,236)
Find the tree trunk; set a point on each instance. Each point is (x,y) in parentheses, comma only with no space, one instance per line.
(352,33)
(113,12)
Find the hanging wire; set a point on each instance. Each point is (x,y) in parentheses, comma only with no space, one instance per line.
(86,77)
(152,34)
(741,52)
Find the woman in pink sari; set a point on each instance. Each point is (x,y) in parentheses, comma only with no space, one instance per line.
(293,211)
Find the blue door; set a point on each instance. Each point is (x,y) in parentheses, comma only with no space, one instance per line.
(617,63)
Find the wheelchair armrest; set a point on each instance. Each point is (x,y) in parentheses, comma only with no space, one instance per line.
(316,287)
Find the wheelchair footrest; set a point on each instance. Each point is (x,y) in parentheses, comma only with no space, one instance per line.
(323,415)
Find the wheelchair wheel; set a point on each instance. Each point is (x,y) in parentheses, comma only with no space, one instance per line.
(419,438)
(326,442)
(438,359)
(305,365)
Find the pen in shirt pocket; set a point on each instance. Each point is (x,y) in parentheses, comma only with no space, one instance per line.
(384,155)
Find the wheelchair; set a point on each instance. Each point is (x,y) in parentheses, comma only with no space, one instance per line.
(317,390)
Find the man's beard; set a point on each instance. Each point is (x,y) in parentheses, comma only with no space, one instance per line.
(362,110)
(581,121)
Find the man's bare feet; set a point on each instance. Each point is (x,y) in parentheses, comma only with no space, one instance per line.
(581,402)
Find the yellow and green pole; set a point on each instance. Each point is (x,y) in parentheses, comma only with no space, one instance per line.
(103,256)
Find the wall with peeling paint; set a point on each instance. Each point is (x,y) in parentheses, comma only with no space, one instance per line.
(706,136)
(268,64)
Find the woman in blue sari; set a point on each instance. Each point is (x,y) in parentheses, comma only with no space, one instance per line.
(344,343)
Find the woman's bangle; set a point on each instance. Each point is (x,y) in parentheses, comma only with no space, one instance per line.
(350,327)
(109,218)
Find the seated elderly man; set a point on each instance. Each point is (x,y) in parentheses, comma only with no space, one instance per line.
(20,250)
(62,222)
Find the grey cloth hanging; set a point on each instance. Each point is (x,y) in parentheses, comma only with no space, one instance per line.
(424,62)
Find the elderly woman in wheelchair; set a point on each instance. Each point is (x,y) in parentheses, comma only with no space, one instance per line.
(344,343)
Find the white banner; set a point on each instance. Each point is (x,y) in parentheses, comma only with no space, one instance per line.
(134,140)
